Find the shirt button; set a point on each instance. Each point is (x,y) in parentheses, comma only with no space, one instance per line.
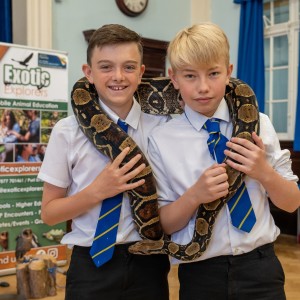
(236,251)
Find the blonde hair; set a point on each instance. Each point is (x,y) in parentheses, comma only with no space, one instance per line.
(200,44)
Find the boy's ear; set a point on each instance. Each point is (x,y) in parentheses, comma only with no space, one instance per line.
(86,69)
(172,76)
(142,70)
(229,72)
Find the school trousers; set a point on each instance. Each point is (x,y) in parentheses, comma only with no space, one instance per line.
(256,275)
(125,277)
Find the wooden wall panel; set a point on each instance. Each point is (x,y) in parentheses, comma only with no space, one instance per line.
(287,222)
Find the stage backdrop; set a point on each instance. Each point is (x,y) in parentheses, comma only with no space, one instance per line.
(33,97)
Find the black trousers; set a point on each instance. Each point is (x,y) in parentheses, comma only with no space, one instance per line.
(124,277)
(257,275)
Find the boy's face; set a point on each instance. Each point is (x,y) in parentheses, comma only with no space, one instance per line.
(116,71)
(202,87)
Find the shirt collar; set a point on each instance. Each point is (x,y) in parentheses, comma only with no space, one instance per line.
(132,118)
(197,120)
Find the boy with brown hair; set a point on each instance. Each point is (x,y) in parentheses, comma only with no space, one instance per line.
(79,180)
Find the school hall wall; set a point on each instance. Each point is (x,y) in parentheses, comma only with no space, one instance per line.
(161,20)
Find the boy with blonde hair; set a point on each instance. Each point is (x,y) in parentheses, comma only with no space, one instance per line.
(238,263)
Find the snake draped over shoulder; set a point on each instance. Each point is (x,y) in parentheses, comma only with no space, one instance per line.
(158,96)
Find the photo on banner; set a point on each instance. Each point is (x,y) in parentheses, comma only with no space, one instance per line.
(33,97)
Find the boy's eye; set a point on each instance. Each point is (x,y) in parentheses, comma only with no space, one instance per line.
(189,76)
(214,74)
(105,67)
(130,68)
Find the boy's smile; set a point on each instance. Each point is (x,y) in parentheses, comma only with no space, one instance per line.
(116,71)
(202,88)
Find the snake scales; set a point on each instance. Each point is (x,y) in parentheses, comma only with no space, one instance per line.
(158,96)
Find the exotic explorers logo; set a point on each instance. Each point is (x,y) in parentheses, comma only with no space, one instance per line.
(20,81)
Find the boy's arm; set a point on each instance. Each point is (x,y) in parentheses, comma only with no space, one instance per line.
(211,185)
(251,159)
(175,210)
(57,207)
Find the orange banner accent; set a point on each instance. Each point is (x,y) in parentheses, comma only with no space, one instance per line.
(8,259)
(3,50)
(19,168)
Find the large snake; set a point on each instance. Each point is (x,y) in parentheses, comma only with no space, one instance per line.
(158,96)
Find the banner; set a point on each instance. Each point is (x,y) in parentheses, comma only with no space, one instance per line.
(33,97)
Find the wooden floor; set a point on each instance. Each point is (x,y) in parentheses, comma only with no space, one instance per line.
(287,250)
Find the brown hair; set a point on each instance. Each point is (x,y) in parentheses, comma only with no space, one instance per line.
(112,34)
(199,44)
(12,120)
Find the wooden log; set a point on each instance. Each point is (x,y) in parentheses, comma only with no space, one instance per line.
(22,274)
(37,278)
(51,265)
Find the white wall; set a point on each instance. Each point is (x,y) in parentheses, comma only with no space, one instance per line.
(19,22)
(161,20)
(227,15)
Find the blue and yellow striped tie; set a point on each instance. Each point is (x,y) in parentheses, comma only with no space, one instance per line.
(106,231)
(240,207)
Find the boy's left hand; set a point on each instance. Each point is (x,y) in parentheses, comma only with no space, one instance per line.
(247,157)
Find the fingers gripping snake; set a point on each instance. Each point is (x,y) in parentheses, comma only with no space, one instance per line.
(158,96)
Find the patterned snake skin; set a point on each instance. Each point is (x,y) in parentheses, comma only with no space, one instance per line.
(158,96)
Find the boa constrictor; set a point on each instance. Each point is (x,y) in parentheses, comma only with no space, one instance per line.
(158,96)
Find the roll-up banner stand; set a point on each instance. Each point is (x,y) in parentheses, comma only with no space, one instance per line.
(33,97)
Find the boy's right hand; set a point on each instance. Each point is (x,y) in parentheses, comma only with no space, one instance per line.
(114,178)
(212,184)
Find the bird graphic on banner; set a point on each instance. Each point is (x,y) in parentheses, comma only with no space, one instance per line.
(25,61)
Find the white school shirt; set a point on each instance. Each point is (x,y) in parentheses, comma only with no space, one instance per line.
(71,161)
(179,155)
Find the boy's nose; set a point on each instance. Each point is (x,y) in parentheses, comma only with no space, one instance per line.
(202,85)
(118,74)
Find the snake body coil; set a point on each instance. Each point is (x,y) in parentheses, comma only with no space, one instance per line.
(158,96)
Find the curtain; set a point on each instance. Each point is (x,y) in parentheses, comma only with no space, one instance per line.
(5,21)
(297,125)
(250,66)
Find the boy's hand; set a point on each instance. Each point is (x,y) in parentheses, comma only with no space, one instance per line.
(248,158)
(114,177)
(212,184)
